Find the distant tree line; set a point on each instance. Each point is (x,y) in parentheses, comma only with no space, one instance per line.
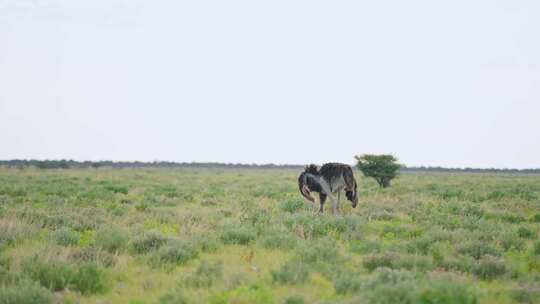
(72,164)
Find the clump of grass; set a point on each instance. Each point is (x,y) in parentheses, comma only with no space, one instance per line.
(57,275)
(174,297)
(420,245)
(347,283)
(12,231)
(208,244)
(363,247)
(478,250)
(292,206)
(26,293)
(536,248)
(292,272)
(174,252)
(525,295)
(66,237)
(374,261)
(112,239)
(296,299)
(447,292)
(526,232)
(149,241)
(205,275)
(254,293)
(511,241)
(489,268)
(239,236)
(278,240)
(92,255)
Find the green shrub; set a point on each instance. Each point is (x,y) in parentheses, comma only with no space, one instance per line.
(420,245)
(66,237)
(526,232)
(90,279)
(149,241)
(292,206)
(239,236)
(413,262)
(52,275)
(347,283)
(536,248)
(278,240)
(208,244)
(292,272)
(374,261)
(205,275)
(27,293)
(175,297)
(447,292)
(524,295)
(174,252)
(364,247)
(489,268)
(477,250)
(511,241)
(244,294)
(294,300)
(112,239)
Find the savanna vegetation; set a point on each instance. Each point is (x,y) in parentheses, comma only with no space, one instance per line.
(246,236)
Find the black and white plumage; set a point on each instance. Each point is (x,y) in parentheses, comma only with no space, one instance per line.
(329,181)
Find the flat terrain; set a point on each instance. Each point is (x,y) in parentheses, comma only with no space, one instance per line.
(246,236)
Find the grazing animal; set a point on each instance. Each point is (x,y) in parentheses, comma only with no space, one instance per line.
(328,181)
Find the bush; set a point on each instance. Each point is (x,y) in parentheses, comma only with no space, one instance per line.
(278,240)
(477,250)
(292,206)
(13,231)
(208,244)
(27,293)
(447,292)
(510,241)
(536,249)
(291,272)
(347,283)
(174,252)
(239,236)
(374,261)
(112,239)
(175,297)
(489,268)
(55,276)
(92,255)
(66,237)
(526,233)
(90,279)
(420,245)
(294,300)
(383,168)
(412,262)
(149,241)
(364,247)
(205,275)
(244,294)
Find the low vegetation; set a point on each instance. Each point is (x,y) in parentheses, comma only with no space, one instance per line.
(246,236)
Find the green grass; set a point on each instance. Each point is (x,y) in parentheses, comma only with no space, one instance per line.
(246,236)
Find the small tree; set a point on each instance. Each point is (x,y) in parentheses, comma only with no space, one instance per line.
(383,168)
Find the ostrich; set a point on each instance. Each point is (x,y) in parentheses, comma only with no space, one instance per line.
(328,181)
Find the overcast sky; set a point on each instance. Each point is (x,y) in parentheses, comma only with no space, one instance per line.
(449,83)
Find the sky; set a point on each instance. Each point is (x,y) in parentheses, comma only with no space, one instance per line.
(439,83)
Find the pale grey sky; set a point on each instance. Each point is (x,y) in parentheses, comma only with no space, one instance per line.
(450,83)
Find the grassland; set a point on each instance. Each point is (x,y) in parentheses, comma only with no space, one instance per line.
(246,236)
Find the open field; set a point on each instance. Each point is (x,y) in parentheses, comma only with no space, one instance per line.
(246,236)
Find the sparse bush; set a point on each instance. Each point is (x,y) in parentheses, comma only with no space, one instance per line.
(347,283)
(175,297)
(149,241)
(364,247)
(112,239)
(239,236)
(208,244)
(489,268)
(90,279)
(13,231)
(510,241)
(278,240)
(374,261)
(26,293)
(174,252)
(412,262)
(420,245)
(478,250)
(52,275)
(525,295)
(447,292)
(205,275)
(536,248)
(294,300)
(292,272)
(526,232)
(66,237)
(92,255)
